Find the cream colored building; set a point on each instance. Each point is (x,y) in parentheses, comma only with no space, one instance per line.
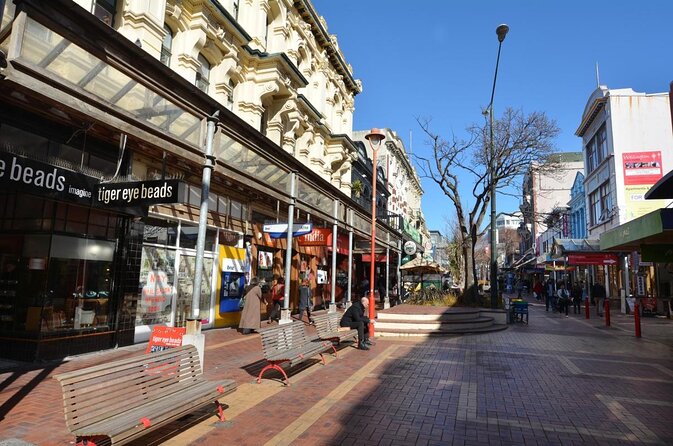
(404,185)
(272,62)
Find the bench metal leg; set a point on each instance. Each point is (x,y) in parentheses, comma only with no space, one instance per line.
(220,411)
(274,365)
(336,354)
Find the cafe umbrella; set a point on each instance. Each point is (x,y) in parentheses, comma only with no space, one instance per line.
(421,266)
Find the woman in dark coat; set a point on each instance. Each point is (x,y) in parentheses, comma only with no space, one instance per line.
(250,316)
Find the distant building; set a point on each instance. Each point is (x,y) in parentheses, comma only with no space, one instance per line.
(543,192)
(578,209)
(440,244)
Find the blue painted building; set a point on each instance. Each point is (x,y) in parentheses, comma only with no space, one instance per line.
(577,205)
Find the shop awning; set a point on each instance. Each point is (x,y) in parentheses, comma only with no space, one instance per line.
(655,228)
(565,246)
(662,189)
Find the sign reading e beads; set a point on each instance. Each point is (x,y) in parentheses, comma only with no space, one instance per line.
(163,338)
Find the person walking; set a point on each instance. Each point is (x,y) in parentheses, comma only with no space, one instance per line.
(250,316)
(355,317)
(599,294)
(305,297)
(576,296)
(563,299)
(538,290)
(549,295)
(277,298)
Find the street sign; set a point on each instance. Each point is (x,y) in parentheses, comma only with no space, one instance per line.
(279,230)
(593,258)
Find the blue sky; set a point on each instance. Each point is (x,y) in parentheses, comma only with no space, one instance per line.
(435,59)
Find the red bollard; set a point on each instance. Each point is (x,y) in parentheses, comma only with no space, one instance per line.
(586,308)
(636,318)
(607,312)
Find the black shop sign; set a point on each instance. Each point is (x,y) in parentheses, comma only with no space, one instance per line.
(38,178)
(139,193)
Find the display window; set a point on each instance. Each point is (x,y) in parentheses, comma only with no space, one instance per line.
(54,284)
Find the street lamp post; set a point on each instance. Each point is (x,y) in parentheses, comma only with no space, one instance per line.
(375,137)
(501,31)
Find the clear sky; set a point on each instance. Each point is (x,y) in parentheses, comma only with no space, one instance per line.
(436,58)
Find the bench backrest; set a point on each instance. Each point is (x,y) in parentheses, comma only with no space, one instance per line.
(95,393)
(283,337)
(327,323)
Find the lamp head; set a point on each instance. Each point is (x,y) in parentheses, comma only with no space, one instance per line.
(501,31)
(375,136)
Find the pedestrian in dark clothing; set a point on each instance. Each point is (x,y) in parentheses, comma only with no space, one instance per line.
(549,296)
(381,287)
(305,303)
(355,317)
(563,299)
(598,293)
(576,296)
(364,287)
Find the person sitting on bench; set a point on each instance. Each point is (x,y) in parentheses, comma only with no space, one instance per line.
(355,317)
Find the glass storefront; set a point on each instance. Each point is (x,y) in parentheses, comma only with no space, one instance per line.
(55,278)
(167,271)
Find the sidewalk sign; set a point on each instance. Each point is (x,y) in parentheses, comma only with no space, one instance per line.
(163,338)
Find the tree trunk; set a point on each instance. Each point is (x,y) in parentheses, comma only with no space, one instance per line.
(471,293)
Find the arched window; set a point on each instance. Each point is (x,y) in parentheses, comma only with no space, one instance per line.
(166,46)
(230,97)
(203,74)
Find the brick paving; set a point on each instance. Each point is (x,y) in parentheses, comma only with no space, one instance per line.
(555,381)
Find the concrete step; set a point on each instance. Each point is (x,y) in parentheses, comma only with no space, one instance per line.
(421,324)
(454,315)
(441,332)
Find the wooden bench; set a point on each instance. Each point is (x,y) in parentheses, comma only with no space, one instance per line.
(125,399)
(329,329)
(289,343)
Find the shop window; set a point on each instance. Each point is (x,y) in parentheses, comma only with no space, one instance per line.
(160,232)
(222,205)
(194,196)
(79,284)
(157,290)
(77,220)
(189,233)
(236,210)
(265,268)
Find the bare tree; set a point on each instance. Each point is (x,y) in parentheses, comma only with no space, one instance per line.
(508,238)
(454,254)
(519,141)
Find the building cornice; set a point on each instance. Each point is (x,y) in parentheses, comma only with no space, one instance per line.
(308,13)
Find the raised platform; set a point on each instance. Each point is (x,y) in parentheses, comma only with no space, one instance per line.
(420,320)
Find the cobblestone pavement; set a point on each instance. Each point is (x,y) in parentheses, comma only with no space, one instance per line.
(557,380)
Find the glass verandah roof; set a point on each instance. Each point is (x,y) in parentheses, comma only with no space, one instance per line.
(46,49)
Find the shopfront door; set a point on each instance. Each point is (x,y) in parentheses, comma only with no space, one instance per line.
(185,287)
